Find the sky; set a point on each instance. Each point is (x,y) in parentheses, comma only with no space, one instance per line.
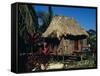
(86,17)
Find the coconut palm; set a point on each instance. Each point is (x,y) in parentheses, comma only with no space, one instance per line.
(44,19)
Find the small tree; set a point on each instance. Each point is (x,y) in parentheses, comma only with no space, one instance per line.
(92,39)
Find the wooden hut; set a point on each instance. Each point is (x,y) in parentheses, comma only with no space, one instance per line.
(71,37)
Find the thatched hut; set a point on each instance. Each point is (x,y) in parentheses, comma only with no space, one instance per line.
(68,33)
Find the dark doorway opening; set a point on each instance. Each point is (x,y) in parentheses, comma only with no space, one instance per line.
(76,45)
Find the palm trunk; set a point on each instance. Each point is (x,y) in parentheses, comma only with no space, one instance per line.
(50,13)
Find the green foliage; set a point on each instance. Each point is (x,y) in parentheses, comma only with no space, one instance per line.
(27,21)
(92,39)
(46,18)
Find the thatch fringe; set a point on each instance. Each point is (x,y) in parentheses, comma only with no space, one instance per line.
(63,26)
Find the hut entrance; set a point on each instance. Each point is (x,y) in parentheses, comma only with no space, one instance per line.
(76,45)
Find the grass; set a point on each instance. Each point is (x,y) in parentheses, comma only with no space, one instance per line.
(81,64)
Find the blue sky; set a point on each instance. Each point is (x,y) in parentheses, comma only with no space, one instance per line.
(86,17)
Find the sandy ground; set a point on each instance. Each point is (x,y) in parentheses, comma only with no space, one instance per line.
(55,66)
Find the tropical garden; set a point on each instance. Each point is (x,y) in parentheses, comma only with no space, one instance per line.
(31,26)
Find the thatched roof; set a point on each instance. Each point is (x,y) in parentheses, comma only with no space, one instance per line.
(64,26)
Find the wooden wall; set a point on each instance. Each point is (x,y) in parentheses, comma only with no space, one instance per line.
(66,47)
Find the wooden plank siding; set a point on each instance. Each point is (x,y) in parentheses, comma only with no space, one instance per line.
(67,47)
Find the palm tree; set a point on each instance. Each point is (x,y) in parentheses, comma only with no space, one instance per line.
(50,13)
(44,19)
(27,26)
